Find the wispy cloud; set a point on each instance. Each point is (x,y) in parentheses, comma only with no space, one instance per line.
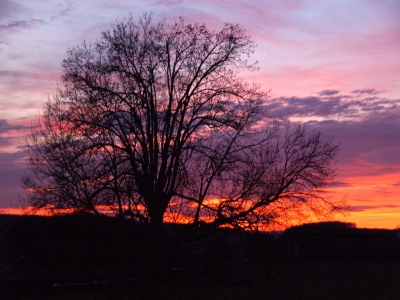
(9,8)
(328,92)
(361,208)
(12,168)
(366,127)
(9,132)
(21,83)
(338,184)
(4,43)
(64,9)
(369,146)
(168,2)
(330,104)
(22,24)
(366,91)
(5,126)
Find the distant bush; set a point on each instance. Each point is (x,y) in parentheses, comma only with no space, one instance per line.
(324,228)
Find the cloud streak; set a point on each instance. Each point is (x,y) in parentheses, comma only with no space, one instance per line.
(328,92)
(65,9)
(5,126)
(15,25)
(331,104)
(12,168)
(11,135)
(366,91)
(363,208)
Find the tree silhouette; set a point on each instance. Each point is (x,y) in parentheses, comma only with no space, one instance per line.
(153,120)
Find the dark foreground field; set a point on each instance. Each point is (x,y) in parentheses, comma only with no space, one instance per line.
(81,257)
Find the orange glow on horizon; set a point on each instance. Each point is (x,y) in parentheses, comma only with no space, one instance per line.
(374,200)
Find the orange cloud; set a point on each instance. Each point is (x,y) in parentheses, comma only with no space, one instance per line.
(374,200)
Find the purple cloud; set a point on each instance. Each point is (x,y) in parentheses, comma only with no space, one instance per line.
(5,126)
(373,140)
(366,91)
(168,2)
(9,133)
(306,106)
(12,168)
(328,92)
(65,9)
(9,8)
(367,128)
(329,105)
(4,43)
(361,208)
(339,184)
(14,25)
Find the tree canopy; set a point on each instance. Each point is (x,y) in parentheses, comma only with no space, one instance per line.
(154,122)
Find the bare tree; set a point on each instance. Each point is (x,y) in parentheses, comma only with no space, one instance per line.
(155,117)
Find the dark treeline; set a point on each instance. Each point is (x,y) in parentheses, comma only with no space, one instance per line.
(48,254)
(73,251)
(343,242)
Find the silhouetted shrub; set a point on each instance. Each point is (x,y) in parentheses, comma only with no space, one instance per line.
(72,242)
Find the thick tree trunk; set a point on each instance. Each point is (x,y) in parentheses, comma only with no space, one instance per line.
(156,208)
(155,253)
(156,214)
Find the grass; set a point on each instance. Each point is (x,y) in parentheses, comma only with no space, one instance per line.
(38,256)
(298,280)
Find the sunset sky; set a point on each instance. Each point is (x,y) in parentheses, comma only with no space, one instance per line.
(332,64)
